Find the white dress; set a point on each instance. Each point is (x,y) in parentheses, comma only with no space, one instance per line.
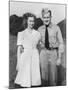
(28,63)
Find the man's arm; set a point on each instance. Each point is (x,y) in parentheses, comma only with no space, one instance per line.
(61,46)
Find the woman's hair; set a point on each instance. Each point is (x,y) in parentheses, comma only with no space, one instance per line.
(25,18)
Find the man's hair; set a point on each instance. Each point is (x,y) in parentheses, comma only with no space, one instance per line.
(46,10)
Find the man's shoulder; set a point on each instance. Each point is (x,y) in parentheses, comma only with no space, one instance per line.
(41,27)
(55,25)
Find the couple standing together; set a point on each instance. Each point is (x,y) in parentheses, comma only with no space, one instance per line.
(32,61)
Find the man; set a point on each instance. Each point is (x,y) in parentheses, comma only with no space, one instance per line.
(52,48)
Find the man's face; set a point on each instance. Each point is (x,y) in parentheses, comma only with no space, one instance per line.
(30,22)
(46,18)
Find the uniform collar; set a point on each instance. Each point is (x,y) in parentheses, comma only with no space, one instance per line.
(50,25)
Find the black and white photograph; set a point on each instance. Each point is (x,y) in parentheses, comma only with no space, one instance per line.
(37,44)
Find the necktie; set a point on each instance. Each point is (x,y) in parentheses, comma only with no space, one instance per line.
(46,38)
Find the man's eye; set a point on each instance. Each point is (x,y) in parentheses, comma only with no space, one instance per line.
(44,17)
(48,17)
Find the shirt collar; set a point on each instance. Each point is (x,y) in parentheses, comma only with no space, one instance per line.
(50,25)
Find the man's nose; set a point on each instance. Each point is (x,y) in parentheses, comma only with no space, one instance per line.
(32,22)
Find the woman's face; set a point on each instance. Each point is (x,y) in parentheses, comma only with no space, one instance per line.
(30,22)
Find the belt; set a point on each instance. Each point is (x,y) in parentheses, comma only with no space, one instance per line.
(52,48)
(30,48)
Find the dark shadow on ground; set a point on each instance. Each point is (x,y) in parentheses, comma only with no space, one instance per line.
(61,76)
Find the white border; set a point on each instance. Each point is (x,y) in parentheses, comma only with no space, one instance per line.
(4,44)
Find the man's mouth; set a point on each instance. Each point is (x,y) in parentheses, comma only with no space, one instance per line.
(46,21)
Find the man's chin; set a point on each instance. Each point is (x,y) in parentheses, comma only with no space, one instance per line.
(46,23)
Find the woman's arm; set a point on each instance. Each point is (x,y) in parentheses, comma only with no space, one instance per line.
(20,50)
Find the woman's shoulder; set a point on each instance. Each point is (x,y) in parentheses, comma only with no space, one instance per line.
(37,33)
(21,32)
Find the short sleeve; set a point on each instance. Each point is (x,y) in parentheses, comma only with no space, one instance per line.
(19,38)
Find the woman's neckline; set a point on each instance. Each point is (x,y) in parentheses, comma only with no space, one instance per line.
(30,31)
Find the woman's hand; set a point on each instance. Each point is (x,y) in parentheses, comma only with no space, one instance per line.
(42,45)
(21,49)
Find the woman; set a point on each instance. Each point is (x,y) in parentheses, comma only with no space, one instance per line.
(28,56)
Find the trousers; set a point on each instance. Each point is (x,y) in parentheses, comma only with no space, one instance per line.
(48,60)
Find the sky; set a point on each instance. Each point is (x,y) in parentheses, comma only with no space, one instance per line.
(19,8)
